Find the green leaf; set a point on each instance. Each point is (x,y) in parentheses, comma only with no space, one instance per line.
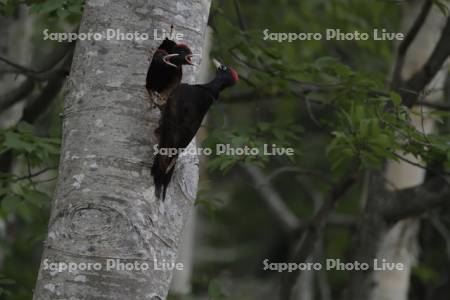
(37,198)
(425,273)
(215,291)
(48,6)
(50,148)
(24,127)
(238,140)
(24,211)
(10,203)
(14,141)
(226,165)
(396,98)
(263,126)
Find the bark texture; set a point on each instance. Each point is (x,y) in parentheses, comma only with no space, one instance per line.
(104,206)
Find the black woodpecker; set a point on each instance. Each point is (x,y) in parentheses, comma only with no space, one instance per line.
(182,116)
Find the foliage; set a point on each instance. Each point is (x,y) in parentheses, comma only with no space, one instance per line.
(70,9)
(25,196)
(23,143)
(369,124)
(252,141)
(34,151)
(215,291)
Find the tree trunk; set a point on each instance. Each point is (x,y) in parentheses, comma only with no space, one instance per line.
(15,45)
(399,244)
(378,238)
(16,32)
(104,207)
(181,284)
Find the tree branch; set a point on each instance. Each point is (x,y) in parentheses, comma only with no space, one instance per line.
(312,173)
(39,105)
(413,86)
(36,75)
(285,217)
(404,46)
(51,62)
(437,106)
(50,71)
(31,175)
(415,201)
(241,21)
(34,109)
(313,232)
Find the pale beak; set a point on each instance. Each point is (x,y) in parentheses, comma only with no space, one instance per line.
(216,63)
(169,56)
(189,59)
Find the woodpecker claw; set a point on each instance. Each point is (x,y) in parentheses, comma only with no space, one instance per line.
(189,59)
(169,56)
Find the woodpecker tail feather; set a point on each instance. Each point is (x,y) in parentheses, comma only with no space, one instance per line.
(158,176)
(162,171)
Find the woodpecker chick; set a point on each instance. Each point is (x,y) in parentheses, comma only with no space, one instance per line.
(165,71)
(158,70)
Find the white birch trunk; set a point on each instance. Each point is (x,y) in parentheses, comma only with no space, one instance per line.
(104,206)
(400,243)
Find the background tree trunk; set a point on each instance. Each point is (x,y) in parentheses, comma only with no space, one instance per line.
(379,238)
(15,44)
(104,206)
(399,244)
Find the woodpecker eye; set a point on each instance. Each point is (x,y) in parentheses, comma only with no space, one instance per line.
(223,68)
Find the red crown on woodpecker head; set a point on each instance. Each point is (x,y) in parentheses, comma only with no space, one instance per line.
(231,71)
(182,45)
(234,74)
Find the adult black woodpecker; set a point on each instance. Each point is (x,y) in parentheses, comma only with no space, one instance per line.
(165,70)
(182,116)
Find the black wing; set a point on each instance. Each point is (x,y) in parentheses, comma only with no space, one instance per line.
(186,107)
(181,119)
